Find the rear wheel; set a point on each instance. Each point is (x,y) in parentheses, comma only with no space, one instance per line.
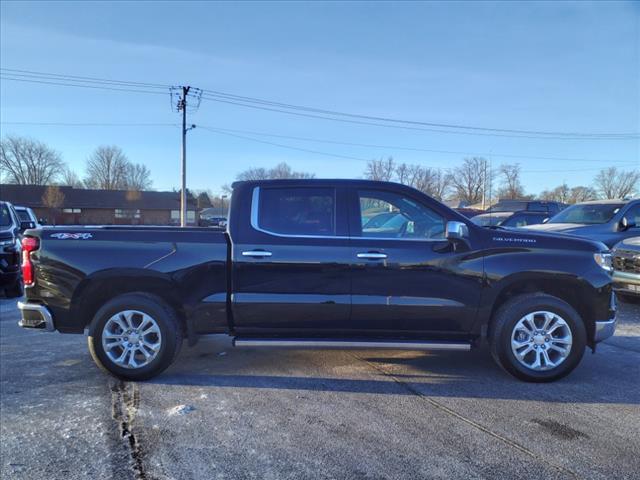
(537,338)
(135,336)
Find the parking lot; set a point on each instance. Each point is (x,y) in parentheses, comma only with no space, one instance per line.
(220,412)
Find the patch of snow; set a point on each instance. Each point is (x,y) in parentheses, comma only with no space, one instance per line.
(180,410)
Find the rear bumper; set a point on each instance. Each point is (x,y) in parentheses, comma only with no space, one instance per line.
(36,316)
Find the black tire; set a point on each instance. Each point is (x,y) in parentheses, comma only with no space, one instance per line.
(509,315)
(14,291)
(165,317)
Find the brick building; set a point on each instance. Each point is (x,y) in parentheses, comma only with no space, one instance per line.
(81,206)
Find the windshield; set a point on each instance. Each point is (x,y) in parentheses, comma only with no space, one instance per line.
(588,213)
(5,216)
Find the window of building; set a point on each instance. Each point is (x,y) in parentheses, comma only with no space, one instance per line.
(72,210)
(297,211)
(390,215)
(127,213)
(175,216)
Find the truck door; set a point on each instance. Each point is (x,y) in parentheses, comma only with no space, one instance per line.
(291,261)
(406,276)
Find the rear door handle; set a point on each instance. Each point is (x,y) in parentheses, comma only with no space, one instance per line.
(372,255)
(256,253)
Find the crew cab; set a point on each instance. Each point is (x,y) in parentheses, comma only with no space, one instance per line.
(300,265)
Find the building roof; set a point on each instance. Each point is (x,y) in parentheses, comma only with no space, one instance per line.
(31,196)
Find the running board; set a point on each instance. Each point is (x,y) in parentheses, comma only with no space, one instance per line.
(348,344)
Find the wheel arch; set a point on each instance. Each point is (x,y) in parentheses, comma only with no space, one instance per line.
(100,287)
(568,288)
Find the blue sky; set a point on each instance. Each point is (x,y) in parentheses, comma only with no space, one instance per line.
(569,67)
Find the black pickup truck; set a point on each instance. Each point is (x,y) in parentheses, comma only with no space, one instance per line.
(301,265)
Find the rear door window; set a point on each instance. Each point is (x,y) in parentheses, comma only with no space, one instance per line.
(297,211)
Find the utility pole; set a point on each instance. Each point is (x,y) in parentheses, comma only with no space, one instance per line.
(183,92)
(183,189)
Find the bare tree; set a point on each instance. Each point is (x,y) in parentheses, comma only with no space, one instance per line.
(581,194)
(614,183)
(282,170)
(511,185)
(204,201)
(432,181)
(107,169)
(381,170)
(253,174)
(561,193)
(137,177)
(53,199)
(472,179)
(71,179)
(29,162)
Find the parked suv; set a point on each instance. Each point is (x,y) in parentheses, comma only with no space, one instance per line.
(540,206)
(607,221)
(10,279)
(510,219)
(27,218)
(626,274)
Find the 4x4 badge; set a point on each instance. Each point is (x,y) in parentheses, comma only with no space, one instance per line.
(72,236)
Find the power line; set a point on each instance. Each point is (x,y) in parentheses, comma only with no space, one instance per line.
(291,147)
(310,112)
(96,124)
(223,130)
(213,94)
(415,149)
(405,127)
(30,73)
(348,157)
(63,84)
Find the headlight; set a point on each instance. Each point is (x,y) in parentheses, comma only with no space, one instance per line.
(604,260)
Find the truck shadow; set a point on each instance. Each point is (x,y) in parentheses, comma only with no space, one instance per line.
(603,378)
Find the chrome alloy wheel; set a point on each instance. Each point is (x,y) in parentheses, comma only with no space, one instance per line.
(541,340)
(131,339)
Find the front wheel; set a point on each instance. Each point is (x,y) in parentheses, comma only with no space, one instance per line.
(537,337)
(135,336)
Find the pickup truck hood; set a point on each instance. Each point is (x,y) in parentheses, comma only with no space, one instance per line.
(527,237)
(561,227)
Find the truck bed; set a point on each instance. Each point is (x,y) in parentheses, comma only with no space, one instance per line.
(185,266)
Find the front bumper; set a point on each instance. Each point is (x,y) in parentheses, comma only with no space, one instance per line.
(605,329)
(626,282)
(36,316)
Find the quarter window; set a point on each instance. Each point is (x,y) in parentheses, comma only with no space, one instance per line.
(297,211)
(389,215)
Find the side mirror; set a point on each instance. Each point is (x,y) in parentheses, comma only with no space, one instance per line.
(626,224)
(456,231)
(546,220)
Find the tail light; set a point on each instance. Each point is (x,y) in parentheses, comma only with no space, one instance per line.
(29,244)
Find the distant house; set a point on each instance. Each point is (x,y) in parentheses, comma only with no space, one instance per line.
(79,206)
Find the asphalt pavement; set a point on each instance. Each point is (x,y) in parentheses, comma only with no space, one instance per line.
(228,413)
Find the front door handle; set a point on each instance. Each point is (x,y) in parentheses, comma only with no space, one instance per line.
(256,253)
(372,255)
